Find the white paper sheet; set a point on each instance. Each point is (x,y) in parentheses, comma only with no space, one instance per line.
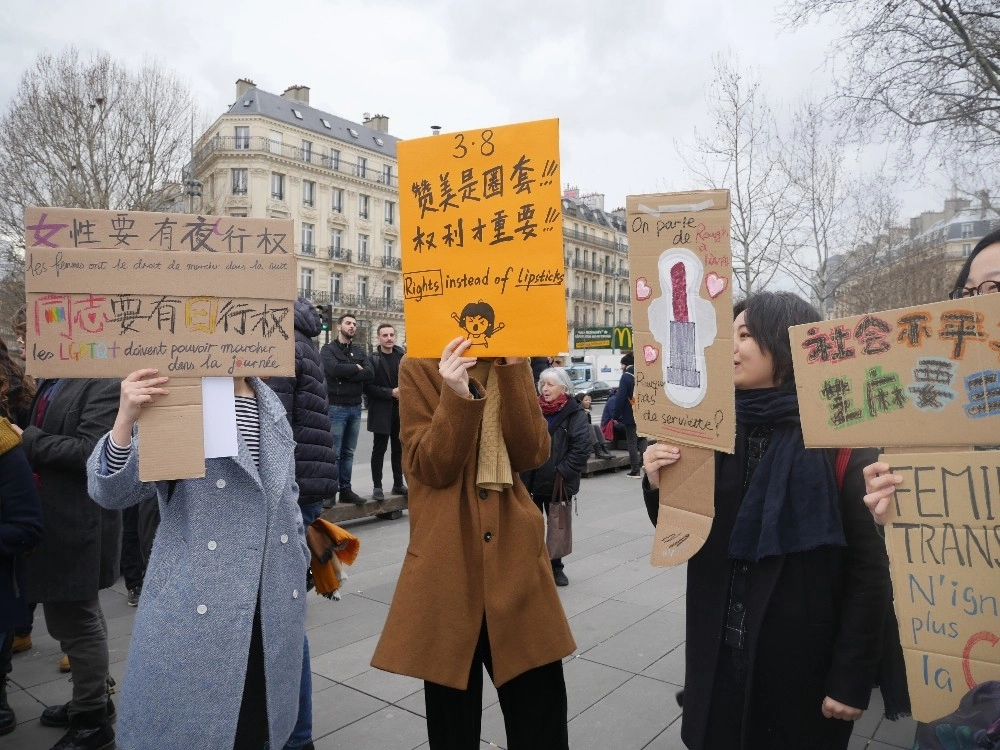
(218,403)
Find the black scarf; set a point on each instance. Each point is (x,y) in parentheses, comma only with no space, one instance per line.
(792,503)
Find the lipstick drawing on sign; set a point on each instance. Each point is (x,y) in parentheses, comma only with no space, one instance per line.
(684,325)
(683,370)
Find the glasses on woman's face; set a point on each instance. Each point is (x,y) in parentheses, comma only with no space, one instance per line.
(987,287)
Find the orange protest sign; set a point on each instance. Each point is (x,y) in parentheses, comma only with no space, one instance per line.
(481,216)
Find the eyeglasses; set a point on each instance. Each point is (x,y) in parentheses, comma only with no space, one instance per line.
(987,287)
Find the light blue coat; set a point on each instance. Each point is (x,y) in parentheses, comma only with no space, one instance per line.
(220,540)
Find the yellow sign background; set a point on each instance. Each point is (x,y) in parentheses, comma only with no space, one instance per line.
(481,217)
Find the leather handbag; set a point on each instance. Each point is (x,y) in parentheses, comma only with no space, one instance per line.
(609,430)
(559,529)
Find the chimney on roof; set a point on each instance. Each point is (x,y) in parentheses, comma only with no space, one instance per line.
(243,85)
(953,205)
(376,122)
(297,93)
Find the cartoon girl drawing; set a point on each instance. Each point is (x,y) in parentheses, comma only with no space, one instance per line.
(477,320)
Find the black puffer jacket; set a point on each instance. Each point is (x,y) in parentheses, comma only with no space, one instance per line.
(304,399)
(572,442)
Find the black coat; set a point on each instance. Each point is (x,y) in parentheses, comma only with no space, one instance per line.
(383,408)
(304,398)
(80,552)
(572,441)
(345,381)
(814,619)
(20,531)
(623,412)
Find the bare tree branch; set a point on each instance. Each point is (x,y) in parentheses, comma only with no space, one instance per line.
(919,69)
(738,153)
(88,133)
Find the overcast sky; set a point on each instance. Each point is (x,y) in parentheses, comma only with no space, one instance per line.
(626,78)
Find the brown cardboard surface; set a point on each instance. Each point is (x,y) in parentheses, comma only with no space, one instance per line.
(109,292)
(683,342)
(171,438)
(157,272)
(171,443)
(687,507)
(943,540)
(50,227)
(923,375)
(481,222)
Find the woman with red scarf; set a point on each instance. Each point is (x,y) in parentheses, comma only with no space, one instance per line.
(572,441)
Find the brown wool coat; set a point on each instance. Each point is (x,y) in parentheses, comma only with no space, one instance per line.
(471,551)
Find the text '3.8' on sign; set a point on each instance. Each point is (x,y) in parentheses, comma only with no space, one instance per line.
(482,246)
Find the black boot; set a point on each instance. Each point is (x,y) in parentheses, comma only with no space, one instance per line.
(58,715)
(7,719)
(601,451)
(89,730)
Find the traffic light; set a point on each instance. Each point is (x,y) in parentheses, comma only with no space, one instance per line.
(326,317)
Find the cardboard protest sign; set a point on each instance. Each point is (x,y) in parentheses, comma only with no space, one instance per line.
(109,292)
(943,540)
(682,309)
(923,375)
(482,214)
(687,507)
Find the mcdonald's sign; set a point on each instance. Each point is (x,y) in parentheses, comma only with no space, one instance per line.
(622,338)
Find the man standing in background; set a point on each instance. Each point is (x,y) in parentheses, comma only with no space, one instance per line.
(626,416)
(383,410)
(346,375)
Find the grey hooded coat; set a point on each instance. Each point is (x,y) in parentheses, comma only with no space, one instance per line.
(222,541)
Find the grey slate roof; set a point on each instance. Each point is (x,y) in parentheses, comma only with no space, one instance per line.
(258,102)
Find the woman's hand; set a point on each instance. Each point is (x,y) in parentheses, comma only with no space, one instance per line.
(454,367)
(655,458)
(880,486)
(836,710)
(139,389)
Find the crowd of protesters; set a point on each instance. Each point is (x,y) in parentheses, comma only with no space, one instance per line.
(789,613)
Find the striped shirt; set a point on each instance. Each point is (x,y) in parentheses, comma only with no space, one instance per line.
(247,422)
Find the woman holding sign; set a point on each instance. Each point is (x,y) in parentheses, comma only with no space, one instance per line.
(786,599)
(216,652)
(979,275)
(476,586)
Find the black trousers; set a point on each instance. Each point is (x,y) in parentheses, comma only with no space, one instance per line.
(379,444)
(132,565)
(252,727)
(533,704)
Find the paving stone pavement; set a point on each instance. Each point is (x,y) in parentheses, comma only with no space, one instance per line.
(627,618)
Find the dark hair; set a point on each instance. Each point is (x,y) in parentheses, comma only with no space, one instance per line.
(345,316)
(769,315)
(992,238)
(16,389)
(19,323)
(628,359)
(483,310)
(384,325)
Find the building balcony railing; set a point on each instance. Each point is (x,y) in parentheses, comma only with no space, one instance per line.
(585,295)
(364,259)
(261,144)
(618,247)
(307,249)
(624,299)
(390,262)
(352,302)
(339,253)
